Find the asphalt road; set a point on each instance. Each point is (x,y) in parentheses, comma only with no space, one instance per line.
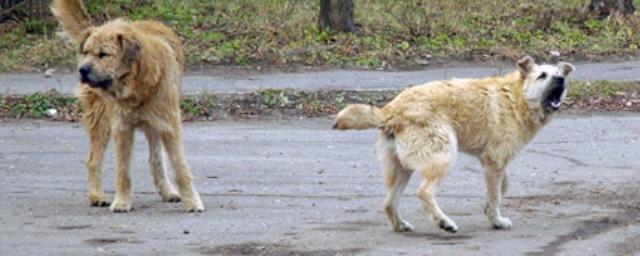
(299,188)
(228,80)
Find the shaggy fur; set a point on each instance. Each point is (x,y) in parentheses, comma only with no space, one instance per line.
(424,127)
(131,74)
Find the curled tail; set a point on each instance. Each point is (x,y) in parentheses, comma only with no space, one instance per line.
(359,116)
(73,17)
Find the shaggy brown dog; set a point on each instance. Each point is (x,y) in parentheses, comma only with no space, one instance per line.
(423,128)
(131,75)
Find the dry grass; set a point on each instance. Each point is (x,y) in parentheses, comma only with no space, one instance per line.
(287,103)
(392,33)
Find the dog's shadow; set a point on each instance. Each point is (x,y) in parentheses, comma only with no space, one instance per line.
(449,238)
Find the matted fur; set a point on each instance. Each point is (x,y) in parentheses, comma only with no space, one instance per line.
(424,127)
(132,81)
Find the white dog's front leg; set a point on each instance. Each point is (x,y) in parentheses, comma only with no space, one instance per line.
(494,178)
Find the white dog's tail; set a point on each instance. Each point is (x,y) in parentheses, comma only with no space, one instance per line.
(359,116)
(73,17)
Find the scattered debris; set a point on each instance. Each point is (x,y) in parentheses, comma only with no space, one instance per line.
(52,112)
(49,72)
(290,103)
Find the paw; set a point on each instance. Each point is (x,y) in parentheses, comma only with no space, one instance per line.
(119,206)
(171,197)
(403,226)
(193,205)
(448,226)
(502,223)
(98,201)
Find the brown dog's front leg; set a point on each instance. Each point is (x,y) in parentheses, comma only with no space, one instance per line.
(99,143)
(123,136)
(98,127)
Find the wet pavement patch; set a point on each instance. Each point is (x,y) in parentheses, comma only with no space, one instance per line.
(627,215)
(73,227)
(348,226)
(108,241)
(124,231)
(357,210)
(586,230)
(264,249)
(437,237)
(448,243)
(629,246)
(21,192)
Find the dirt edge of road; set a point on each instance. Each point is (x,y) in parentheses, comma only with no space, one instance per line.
(583,97)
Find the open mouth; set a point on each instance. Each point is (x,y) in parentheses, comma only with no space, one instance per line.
(104,84)
(554,99)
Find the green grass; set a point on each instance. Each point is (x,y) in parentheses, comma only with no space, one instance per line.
(603,89)
(35,105)
(392,33)
(581,97)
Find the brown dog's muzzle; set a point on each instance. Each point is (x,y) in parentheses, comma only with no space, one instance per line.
(87,76)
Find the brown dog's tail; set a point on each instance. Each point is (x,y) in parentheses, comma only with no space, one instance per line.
(73,17)
(359,116)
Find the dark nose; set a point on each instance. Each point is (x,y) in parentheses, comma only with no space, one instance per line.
(85,70)
(558,79)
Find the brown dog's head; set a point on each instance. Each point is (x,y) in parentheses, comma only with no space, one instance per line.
(544,85)
(107,54)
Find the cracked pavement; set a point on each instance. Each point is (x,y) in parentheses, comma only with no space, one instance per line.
(297,187)
(233,80)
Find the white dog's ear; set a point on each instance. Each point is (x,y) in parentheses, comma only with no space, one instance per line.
(565,68)
(525,65)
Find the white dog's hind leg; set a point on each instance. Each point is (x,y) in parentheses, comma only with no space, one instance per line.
(432,151)
(396,179)
(433,174)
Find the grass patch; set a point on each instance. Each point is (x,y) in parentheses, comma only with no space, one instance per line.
(289,103)
(392,33)
(274,103)
(35,106)
(604,95)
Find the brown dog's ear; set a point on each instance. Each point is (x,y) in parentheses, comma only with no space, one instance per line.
(525,65)
(130,48)
(565,68)
(85,35)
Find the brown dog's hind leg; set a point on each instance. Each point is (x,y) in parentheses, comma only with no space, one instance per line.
(165,189)
(124,137)
(396,179)
(184,179)
(98,127)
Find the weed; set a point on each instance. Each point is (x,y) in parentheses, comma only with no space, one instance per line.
(584,96)
(283,32)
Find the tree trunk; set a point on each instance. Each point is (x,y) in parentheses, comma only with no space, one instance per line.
(605,8)
(337,15)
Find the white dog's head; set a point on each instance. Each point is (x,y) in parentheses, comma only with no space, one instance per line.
(544,85)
